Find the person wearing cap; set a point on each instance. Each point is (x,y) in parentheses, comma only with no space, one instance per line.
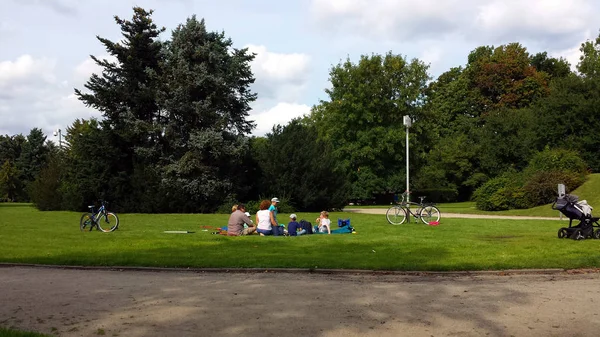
(277,230)
(237,219)
(273,207)
(293,227)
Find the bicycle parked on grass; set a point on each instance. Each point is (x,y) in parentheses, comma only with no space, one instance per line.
(427,212)
(103,220)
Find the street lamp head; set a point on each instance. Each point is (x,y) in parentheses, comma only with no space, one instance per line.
(55,134)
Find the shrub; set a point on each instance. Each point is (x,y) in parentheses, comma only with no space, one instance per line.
(536,185)
(45,190)
(520,199)
(552,160)
(541,186)
(549,168)
(225,207)
(489,197)
(252,206)
(502,193)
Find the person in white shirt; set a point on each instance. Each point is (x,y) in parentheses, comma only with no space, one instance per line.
(323,222)
(265,219)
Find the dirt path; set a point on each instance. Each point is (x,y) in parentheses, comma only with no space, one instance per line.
(69,302)
(457,215)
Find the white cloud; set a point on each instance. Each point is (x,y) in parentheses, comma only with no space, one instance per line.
(281,81)
(394,19)
(68,7)
(571,55)
(431,54)
(555,22)
(25,69)
(535,19)
(281,113)
(277,66)
(31,95)
(6,27)
(279,76)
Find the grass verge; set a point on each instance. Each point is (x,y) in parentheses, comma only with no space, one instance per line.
(31,236)
(6,332)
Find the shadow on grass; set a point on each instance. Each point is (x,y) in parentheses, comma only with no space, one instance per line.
(263,304)
(312,253)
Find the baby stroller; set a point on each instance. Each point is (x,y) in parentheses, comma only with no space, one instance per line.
(577,210)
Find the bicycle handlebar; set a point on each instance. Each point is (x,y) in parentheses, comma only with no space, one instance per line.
(402,200)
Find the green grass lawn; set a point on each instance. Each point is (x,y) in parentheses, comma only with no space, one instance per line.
(589,191)
(30,236)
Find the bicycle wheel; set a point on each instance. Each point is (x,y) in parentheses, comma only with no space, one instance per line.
(430,214)
(109,222)
(396,215)
(86,221)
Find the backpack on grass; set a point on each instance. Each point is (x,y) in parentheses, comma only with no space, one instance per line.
(306,226)
(343,223)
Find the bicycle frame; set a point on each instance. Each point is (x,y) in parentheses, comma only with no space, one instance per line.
(96,216)
(406,208)
(102,219)
(402,211)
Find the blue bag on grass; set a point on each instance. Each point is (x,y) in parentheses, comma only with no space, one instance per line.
(342,223)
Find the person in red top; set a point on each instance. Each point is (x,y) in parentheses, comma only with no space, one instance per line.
(237,219)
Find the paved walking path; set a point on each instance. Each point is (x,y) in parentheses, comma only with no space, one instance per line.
(71,302)
(457,215)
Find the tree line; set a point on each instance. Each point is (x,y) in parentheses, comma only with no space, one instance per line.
(174,136)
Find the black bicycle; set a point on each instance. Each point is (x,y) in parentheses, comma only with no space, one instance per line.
(103,220)
(427,212)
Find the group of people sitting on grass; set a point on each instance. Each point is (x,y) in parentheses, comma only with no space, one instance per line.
(266,222)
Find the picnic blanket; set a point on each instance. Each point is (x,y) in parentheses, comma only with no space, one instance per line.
(344,228)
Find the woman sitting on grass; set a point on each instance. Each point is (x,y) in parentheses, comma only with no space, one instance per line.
(265,219)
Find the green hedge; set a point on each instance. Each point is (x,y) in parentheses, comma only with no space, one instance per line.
(536,185)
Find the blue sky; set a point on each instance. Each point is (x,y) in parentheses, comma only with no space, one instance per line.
(45,44)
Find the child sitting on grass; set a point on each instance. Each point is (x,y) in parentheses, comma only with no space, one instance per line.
(323,223)
(294,226)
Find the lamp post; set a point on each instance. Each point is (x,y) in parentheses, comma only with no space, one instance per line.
(59,133)
(407,123)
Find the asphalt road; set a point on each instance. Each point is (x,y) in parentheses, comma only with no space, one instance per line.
(68,302)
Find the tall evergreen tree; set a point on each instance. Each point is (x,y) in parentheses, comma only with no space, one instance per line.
(88,175)
(11,147)
(207,100)
(126,94)
(33,155)
(11,187)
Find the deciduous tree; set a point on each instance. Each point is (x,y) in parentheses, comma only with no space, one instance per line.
(362,119)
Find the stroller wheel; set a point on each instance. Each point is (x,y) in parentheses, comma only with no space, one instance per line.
(596,234)
(577,235)
(563,233)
